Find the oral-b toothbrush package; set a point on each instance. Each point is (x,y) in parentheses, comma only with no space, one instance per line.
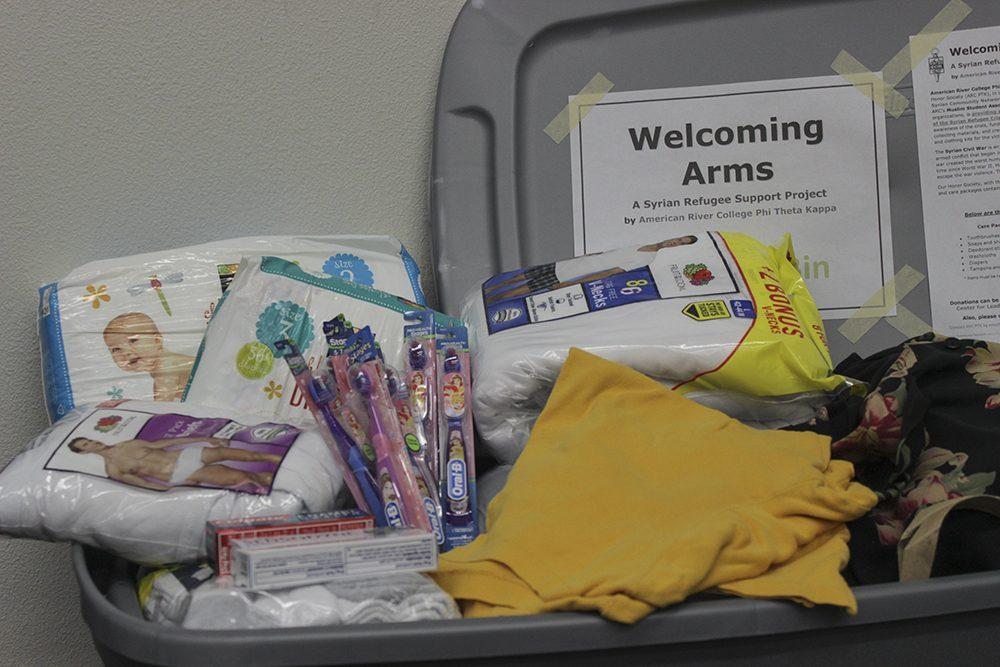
(401,498)
(343,447)
(272,299)
(347,406)
(415,441)
(456,436)
(420,376)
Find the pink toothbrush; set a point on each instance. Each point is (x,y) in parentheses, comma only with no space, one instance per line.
(400,493)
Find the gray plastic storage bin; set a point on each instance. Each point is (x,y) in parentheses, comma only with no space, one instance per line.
(500,198)
(953,620)
(501,189)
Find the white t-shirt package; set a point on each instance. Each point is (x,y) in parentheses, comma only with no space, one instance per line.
(141,478)
(721,317)
(130,327)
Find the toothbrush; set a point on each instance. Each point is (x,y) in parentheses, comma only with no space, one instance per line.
(419,381)
(346,404)
(413,433)
(400,493)
(361,485)
(336,333)
(355,459)
(413,437)
(433,510)
(455,475)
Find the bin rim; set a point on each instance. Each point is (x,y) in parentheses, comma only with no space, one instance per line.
(690,622)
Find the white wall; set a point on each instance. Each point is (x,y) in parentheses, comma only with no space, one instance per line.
(126,127)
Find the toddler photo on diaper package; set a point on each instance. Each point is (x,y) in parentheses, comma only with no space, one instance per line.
(136,346)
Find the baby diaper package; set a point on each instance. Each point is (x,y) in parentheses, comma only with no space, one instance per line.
(141,479)
(272,300)
(130,327)
(718,316)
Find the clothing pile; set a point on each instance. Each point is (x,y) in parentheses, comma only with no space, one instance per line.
(925,439)
(664,420)
(629,497)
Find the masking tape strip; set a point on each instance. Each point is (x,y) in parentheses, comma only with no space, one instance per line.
(904,282)
(882,89)
(907,323)
(869,84)
(949,18)
(571,114)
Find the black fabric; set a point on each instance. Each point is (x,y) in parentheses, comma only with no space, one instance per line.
(969,541)
(928,430)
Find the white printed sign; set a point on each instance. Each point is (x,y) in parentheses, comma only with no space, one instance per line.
(805,156)
(957,98)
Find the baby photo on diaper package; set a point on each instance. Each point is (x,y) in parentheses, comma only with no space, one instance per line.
(162,451)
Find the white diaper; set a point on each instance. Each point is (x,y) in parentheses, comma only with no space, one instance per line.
(188,463)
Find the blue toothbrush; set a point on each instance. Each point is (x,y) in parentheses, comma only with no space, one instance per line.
(320,396)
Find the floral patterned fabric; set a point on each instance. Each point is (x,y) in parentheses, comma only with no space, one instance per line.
(928,430)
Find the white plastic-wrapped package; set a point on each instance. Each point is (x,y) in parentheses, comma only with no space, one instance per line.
(719,316)
(180,598)
(140,479)
(130,327)
(488,486)
(272,299)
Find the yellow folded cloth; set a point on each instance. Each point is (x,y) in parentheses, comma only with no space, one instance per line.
(629,497)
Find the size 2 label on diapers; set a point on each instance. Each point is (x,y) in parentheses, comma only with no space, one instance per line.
(690,266)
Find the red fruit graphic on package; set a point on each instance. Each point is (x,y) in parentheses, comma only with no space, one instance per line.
(105,424)
(698,274)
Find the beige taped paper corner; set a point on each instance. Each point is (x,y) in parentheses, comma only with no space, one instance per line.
(578,107)
(883,89)
(905,321)
(871,84)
